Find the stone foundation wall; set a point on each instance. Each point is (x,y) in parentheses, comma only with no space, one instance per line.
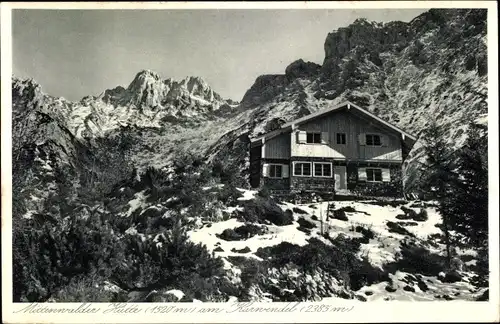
(312,184)
(277,184)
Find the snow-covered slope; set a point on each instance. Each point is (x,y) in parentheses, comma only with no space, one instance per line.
(381,250)
(380,228)
(166,117)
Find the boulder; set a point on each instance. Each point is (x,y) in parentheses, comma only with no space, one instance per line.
(450,277)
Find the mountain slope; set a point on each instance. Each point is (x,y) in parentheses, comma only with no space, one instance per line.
(157,113)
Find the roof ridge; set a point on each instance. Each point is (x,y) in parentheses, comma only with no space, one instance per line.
(328,110)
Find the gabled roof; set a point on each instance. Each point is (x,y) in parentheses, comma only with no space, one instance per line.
(288,126)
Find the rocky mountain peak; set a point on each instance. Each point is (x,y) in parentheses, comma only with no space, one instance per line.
(148,73)
(147,89)
(268,86)
(363,33)
(404,72)
(366,22)
(112,95)
(30,92)
(198,87)
(27,88)
(144,77)
(299,69)
(192,81)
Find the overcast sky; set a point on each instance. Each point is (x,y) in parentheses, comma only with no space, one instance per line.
(74,53)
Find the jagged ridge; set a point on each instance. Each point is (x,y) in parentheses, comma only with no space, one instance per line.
(149,101)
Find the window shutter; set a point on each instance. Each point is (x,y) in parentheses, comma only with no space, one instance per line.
(301,137)
(362,139)
(386,175)
(265,170)
(324,137)
(285,171)
(361,174)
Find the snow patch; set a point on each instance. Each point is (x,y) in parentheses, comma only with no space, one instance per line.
(177,293)
(247,194)
(138,202)
(218,186)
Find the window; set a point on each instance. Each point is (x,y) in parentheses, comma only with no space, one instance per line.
(323,170)
(340,138)
(373,140)
(313,138)
(302,169)
(374,175)
(275,171)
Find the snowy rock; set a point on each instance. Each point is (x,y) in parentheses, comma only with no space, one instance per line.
(175,292)
(146,102)
(131,231)
(232,299)
(108,286)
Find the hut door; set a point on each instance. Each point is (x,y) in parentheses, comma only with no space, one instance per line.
(340,177)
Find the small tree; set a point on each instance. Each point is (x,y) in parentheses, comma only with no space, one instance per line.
(469,201)
(438,176)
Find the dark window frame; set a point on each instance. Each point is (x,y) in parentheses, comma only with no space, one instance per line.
(313,137)
(373,140)
(322,164)
(373,173)
(341,138)
(295,164)
(275,167)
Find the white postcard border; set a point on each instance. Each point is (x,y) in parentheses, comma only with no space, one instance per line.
(356,311)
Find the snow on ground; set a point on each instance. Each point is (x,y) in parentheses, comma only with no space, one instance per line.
(380,250)
(28,214)
(276,235)
(231,209)
(217,186)
(247,194)
(482,119)
(367,215)
(385,245)
(433,288)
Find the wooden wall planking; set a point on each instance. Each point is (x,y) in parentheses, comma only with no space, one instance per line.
(352,125)
(278,147)
(285,145)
